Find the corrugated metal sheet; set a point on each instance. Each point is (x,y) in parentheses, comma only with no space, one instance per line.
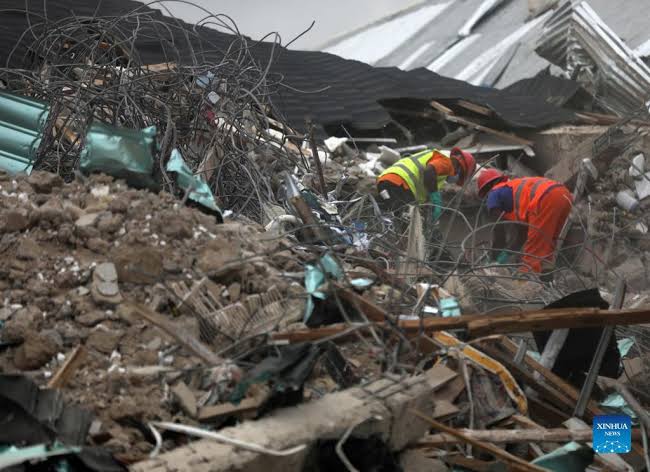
(22,123)
(576,39)
(504,33)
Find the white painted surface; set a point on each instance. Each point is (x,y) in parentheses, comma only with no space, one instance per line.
(378,41)
(415,55)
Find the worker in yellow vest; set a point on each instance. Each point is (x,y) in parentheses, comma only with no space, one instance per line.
(420,177)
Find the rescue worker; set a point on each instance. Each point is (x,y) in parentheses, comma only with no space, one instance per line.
(420,177)
(543,205)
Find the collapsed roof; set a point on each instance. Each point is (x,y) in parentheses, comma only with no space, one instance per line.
(321,86)
(485,42)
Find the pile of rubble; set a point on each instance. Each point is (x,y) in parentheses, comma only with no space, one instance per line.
(198,286)
(78,257)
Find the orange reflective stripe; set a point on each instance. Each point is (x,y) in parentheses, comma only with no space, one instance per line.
(527,192)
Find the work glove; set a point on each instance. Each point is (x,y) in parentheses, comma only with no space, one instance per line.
(502,257)
(436,199)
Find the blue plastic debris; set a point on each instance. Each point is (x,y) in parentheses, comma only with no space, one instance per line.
(315,277)
(199,189)
(120,152)
(205,80)
(22,124)
(362,282)
(449,307)
(617,403)
(624,346)
(572,457)
(13,456)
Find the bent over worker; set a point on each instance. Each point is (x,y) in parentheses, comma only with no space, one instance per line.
(420,177)
(543,205)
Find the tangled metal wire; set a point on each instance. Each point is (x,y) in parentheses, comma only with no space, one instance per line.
(207,95)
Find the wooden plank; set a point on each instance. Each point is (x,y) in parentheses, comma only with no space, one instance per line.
(471,463)
(544,320)
(545,413)
(192,344)
(556,381)
(161,67)
(372,311)
(485,129)
(481,325)
(68,369)
(481,110)
(315,334)
(217,412)
(441,108)
(511,436)
(514,462)
(451,391)
(443,409)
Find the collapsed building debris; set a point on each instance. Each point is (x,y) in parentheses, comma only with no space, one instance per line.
(213,287)
(576,39)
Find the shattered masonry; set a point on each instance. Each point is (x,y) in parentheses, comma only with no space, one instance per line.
(200,270)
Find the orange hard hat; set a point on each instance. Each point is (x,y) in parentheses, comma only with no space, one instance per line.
(488,178)
(466,161)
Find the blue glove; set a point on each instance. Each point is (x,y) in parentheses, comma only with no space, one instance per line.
(436,199)
(502,257)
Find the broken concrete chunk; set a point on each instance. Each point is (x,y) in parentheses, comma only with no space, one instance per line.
(414,460)
(220,260)
(100,191)
(139,265)
(91,319)
(44,182)
(637,169)
(642,186)
(626,200)
(388,156)
(104,342)
(35,352)
(104,287)
(28,250)
(16,219)
(106,272)
(185,398)
(88,219)
(234,292)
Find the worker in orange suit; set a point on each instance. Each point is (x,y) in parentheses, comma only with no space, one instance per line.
(543,205)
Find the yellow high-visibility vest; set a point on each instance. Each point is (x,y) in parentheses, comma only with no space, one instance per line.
(411,169)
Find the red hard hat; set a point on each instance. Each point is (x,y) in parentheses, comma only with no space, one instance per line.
(487,178)
(466,161)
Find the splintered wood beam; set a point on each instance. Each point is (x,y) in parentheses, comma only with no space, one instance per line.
(505,136)
(505,436)
(514,462)
(192,344)
(544,320)
(441,108)
(550,377)
(69,367)
(484,325)
(481,110)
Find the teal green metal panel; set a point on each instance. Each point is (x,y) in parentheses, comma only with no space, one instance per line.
(121,152)
(22,123)
(200,191)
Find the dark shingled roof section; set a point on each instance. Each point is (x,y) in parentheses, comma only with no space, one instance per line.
(353,89)
(551,89)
